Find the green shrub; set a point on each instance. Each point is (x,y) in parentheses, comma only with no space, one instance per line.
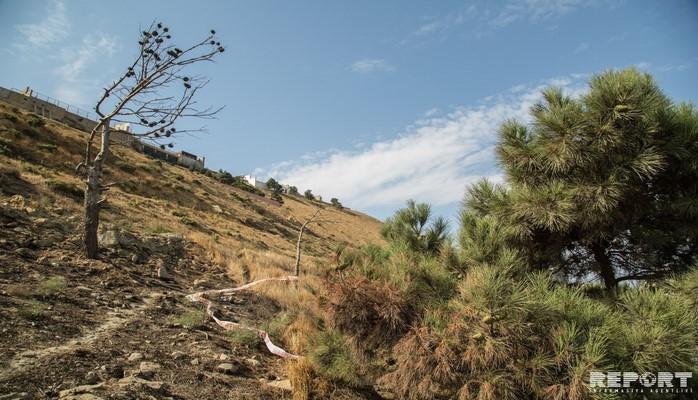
(51,286)
(331,357)
(192,319)
(244,338)
(50,147)
(35,121)
(32,309)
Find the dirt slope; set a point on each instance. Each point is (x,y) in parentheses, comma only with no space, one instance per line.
(120,327)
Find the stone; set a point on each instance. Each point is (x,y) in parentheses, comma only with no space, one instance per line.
(135,357)
(91,378)
(135,384)
(14,396)
(252,362)
(223,357)
(78,390)
(283,384)
(110,238)
(194,361)
(162,270)
(217,208)
(134,258)
(113,371)
(82,396)
(147,369)
(16,201)
(227,368)
(178,355)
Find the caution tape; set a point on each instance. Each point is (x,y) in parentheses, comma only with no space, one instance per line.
(200,297)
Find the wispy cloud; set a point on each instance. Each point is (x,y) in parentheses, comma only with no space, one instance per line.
(480,20)
(536,10)
(582,47)
(76,79)
(369,65)
(52,29)
(433,160)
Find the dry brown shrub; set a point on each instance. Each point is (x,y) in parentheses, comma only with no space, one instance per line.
(372,314)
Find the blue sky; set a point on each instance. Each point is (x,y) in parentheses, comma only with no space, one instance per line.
(373,102)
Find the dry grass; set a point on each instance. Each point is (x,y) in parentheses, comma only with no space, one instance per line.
(247,238)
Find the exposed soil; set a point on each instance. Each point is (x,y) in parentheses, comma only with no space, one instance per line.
(84,327)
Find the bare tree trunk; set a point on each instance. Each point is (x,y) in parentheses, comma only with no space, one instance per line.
(93,191)
(297,269)
(605,268)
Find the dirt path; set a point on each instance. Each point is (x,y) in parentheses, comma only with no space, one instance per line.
(30,358)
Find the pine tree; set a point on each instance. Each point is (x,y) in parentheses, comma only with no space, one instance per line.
(604,184)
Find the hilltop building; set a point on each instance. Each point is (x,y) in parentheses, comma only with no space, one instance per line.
(253,181)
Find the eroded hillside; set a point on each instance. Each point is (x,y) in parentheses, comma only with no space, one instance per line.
(120,327)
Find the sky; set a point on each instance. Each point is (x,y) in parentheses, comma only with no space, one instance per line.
(372,102)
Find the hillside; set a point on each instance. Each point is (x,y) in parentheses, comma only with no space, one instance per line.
(121,327)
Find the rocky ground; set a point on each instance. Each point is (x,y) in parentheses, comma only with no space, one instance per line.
(120,327)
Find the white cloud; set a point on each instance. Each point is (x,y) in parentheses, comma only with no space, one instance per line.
(369,65)
(432,161)
(536,10)
(76,82)
(54,28)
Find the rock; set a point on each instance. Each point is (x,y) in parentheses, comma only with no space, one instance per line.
(23,252)
(227,368)
(91,378)
(194,361)
(134,258)
(217,208)
(162,270)
(110,238)
(223,357)
(113,371)
(283,384)
(83,396)
(252,362)
(16,201)
(178,355)
(135,384)
(14,396)
(135,357)
(148,369)
(78,390)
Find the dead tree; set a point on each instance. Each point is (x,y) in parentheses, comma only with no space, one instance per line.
(152,93)
(313,218)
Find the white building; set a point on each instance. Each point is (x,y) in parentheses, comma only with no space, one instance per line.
(253,181)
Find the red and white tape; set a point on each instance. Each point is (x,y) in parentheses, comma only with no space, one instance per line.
(228,325)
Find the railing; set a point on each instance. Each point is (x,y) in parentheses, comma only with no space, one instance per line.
(70,108)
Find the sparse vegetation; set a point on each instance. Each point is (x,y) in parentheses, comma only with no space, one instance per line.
(192,319)
(308,194)
(244,337)
(51,286)
(32,309)
(65,188)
